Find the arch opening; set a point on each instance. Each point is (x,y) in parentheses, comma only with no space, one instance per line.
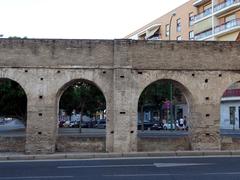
(164,116)
(81,117)
(230,109)
(230,117)
(13,116)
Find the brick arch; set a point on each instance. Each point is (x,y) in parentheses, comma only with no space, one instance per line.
(66,85)
(225,93)
(186,93)
(15,144)
(226,86)
(20,81)
(180,84)
(22,88)
(71,82)
(183,142)
(59,94)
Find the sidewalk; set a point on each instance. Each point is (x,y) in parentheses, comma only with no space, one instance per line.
(22,156)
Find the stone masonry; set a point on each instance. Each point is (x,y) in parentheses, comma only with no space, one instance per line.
(121,69)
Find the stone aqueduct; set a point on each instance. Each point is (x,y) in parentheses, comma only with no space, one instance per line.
(121,69)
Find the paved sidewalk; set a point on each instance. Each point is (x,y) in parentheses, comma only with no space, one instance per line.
(22,156)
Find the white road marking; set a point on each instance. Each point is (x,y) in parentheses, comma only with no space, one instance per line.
(180,164)
(158,165)
(223,173)
(136,175)
(107,166)
(163,174)
(36,177)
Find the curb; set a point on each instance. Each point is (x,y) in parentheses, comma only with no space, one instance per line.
(58,156)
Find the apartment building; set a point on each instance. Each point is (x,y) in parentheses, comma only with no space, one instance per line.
(195,20)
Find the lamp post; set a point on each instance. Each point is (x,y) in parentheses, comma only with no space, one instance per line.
(171,85)
(170,25)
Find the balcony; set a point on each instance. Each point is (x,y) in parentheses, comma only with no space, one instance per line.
(227,27)
(225,6)
(203,15)
(203,35)
(218,9)
(220,30)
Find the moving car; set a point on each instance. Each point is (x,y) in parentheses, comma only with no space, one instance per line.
(11,124)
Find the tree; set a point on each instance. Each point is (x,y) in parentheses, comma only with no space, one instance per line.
(83,97)
(13,100)
(155,95)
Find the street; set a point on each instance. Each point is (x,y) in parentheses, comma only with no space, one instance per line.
(207,168)
(101,132)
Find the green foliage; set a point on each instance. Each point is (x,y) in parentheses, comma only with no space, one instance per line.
(84,97)
(13,100)
(157,93)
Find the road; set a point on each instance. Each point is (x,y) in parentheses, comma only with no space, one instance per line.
(101,132)
(207,168)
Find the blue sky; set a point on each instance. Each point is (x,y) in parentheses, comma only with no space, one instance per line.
(79,19)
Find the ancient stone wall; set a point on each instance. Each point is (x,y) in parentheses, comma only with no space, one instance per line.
(121,69)
(80,144)
(151,144)
(12,144)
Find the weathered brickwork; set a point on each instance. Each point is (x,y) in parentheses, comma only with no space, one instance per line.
(164,144)
(12,144)
(121,69)
(80,144)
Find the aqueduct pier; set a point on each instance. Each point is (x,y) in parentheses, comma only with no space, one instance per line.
(121,69)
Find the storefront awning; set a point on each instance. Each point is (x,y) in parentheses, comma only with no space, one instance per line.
(151,32)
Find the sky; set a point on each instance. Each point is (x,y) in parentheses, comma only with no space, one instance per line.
(79,19)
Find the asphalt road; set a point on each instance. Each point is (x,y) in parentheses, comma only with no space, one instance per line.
(101,132)
(219,168)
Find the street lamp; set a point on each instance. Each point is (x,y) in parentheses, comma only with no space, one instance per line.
(170,84)
(170,24)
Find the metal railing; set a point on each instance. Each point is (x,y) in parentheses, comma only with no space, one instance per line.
(227,25)
(225,4)
(203,14)
(203,34)
(216,8)
(223,27)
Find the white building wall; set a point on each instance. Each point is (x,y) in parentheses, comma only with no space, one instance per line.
(225,114)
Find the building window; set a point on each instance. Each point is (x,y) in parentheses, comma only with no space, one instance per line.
(230,17)
(191,35)
(179,38)
(191,18)
(232,110)
(167,30)
(178,25)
